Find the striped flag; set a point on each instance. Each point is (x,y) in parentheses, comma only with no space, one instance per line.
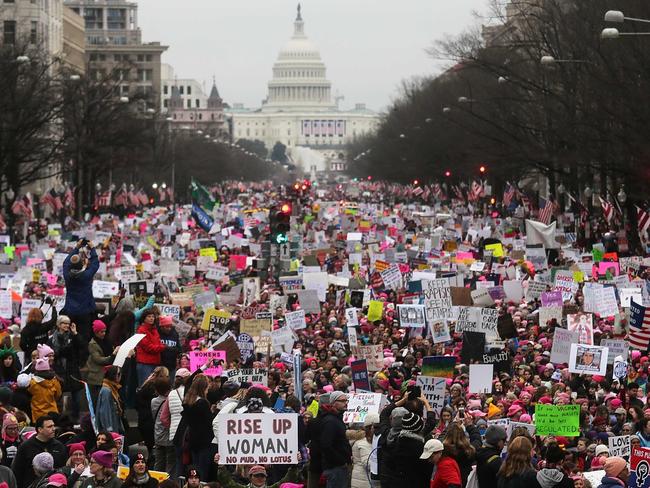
(639,335)
(68,198)
(546,208)
(643,222)
(418,191)
(608,209)
(477,190)
(458,192)
(103,199)
(508,194)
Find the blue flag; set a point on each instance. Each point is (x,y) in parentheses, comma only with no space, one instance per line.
(202,218)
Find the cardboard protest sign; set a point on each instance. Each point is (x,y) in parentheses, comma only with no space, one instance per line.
(258,438)
(166,309)
(439,366)
(551,299)
(126,348)
(215,322)
(560,420)
(434,390)
(374,355)
(588,359)
(351,317)
(440,331)
(295,320)
(562,340)
(360,375)
(246,346)
(437,299)
(619,445)
(583,325)
(254,327)
(617,347)
(639,468)
(249,375)
(308,300)
(480,378)
(360,405)
(104,289)
(411,315)
(375,310)
(199,358)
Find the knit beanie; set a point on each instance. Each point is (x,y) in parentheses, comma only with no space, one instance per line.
(412,422)
(614,465)
(43,462)
(103,458)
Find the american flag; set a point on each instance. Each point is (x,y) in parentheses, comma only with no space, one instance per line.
(142,197)
(546,208)
(643,222)
(525,201)
(122,198)
(23,206)
(477,190)
(639,335)
(608,209)
(508,194)
(436,190)
(458,192)
(52,199)
(103,199)
(134,199)
(68,198)
(418,191)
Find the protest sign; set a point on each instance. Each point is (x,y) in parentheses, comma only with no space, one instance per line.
(437,299)
(258,438)
(588,359)
(440,331)
(480,378)
(375,310)
(295,320)
(411,315)
(468,319)
(105,289)
(551,299)
(246,346)
(583,325)
(166,309)
(562,340)
(199,358)
(215,322)
(433,390)
(123,473)
(282,339)
(546,314)
(360,405)
(374,355)
(565,283)
(360,375)
(481,297)
(126,348)
(535,290)
(605,301)
(439,366)
(291,283)
(308,300)
(619,445)
(639,468)
(488,323)
(249,375)
(254,327)
(6,307)
(617,347)
(560,420)
(351,317)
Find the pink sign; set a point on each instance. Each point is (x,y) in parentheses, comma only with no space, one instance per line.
(603,266)
(199,358)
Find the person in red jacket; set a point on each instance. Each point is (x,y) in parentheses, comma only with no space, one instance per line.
(147,352)
(448,473)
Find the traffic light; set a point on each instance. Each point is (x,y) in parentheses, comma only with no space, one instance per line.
(280,220)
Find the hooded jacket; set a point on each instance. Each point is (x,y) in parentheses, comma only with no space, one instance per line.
(553,478)
(79,298)
(45,390)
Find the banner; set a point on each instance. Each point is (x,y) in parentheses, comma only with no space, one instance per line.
(173,310)
(203,219)
(434,390)
(639,468)
(588,359)
(619,446)
(258,438)
(438,366)
(560,420)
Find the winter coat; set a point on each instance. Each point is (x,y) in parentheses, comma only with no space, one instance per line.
(22,465)
(35,333)
(97,359)
(519,480)
(45,393)
(7,476)
(149,348)
(79,298)
(334,445)
(553,478)
(447,474)
(609,482)
(228,406)
(199,422)
(113,482)
(160,432)
(361,450)
(130,482)
(175,403)
(174,348)
(488,463)
(67,348)
(107,412)
(401,464)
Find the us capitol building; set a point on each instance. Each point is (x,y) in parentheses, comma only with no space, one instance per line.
(299,111)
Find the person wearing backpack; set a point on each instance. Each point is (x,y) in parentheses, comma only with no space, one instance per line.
(488,458)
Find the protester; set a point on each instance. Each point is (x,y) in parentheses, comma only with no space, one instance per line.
(45,387)
(165,455)
(334,447)
(110,409)
(43,466)
(149,349)
(198,417)
(361,450)
(447,474)
(616,473)
(100,355)
(36,331)
(517,470)
(79,269)
(139,476)
(101,472)
(68,346)
(10,438)
(170,339)
(488,457)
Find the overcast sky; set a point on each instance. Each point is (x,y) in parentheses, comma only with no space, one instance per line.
(368,46)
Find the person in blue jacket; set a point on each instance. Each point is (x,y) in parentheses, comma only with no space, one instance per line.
(78,271)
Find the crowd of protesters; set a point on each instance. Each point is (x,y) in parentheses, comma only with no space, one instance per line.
(74,416)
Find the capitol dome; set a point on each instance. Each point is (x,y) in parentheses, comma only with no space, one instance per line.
(299,76)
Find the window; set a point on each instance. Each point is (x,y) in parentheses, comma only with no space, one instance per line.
(145,75)
(197,102)
(180,90)
(189,104)
(33,32)
(189,90)
(140,58)
(9,32)
(148,58)
(116,18)
(9,1)
(165,89)
(94,18)
(166,102)
(200,116)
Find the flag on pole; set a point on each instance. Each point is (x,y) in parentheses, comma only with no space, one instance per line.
(608,209)
(508,194)
(639,335)
(103,199)
(476,191)
(121,198)
(546,208)
(643,221)
(202,196)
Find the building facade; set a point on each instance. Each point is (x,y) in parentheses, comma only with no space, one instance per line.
(114,48)
(74,40)
(209,119)
(192,92)
(37,23)
(299,110)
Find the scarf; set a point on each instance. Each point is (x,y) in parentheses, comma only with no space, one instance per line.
(115,392)
(141,480)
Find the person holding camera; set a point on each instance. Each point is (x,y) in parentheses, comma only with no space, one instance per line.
(79,270)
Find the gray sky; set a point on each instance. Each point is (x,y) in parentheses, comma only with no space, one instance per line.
(368,46)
